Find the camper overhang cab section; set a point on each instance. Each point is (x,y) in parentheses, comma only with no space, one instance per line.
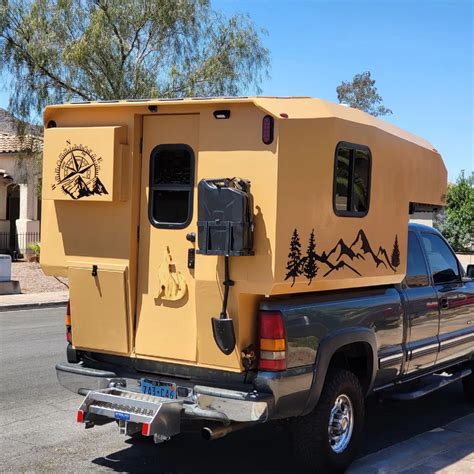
(175,220)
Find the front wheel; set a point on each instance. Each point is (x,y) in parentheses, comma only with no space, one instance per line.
(327,439)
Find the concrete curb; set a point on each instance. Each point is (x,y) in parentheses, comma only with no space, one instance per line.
(21,301)
(37,305)
(448,447)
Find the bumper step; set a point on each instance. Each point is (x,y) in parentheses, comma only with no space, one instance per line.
(153,416)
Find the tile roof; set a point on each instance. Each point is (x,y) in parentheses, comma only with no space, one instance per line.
(10,143)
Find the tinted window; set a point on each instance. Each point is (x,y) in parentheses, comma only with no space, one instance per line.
(443,263)
(417,274)
(352,180)
(171,186)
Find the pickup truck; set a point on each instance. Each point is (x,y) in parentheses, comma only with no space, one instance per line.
(331,350)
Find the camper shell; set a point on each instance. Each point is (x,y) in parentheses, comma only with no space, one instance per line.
(331,190)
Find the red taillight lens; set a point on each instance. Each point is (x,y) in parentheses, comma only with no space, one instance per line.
(272,341)
(80,416)
(145,429)
(68,322)
(267,129)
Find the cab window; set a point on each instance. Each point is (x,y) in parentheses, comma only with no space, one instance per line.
(417,273)
(351,180)
(443,263)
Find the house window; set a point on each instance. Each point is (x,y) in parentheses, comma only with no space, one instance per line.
(352,180)
(171,186)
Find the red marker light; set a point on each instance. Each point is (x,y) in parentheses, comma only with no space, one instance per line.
(80,416)
(145,429)
(267,129)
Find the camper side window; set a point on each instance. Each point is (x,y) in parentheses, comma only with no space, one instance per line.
(352,180)
(171,186)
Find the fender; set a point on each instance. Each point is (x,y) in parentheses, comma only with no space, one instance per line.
(327,348)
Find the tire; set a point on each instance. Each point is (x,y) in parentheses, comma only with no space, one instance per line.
(313,445)
(468,385)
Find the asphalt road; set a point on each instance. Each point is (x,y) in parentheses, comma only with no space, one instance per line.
(38,429)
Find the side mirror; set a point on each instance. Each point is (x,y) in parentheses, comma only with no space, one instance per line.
(470,271)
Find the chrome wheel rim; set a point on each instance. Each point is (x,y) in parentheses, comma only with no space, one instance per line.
(341,424)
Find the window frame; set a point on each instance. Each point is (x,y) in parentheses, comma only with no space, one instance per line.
(353,147)
(171,187)
(456,282)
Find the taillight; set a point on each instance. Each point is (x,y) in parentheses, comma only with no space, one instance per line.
(68,323)
(272,341)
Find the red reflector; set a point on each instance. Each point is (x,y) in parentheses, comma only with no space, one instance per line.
(80,416)
(271,325)
(68,308)
(145,429)
(267,129)
(272,365)
(68,335)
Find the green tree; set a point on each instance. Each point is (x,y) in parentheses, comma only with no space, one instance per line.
(457,222)
(362,94)
(61,50)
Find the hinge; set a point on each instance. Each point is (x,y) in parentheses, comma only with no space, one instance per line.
(141,145)
(138,233)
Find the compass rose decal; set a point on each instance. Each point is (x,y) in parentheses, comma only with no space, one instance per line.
(77,172)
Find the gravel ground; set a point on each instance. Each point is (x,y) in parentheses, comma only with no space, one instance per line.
(33,280)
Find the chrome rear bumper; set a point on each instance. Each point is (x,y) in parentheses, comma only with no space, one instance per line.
(201,402)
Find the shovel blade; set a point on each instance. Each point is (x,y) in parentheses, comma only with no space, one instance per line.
(224,335)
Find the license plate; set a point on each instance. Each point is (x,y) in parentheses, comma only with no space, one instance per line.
(159,389)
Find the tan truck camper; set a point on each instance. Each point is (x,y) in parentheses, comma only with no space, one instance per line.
(180,222)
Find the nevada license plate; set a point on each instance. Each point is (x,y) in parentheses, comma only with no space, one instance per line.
(159,389)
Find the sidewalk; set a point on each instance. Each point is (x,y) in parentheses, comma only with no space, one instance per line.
(449,449)
(33,300)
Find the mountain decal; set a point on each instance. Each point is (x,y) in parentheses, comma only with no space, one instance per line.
(77,187)
(341,257)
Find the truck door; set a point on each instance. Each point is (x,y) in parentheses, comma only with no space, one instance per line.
(455,298)
(422,310)
(166,316)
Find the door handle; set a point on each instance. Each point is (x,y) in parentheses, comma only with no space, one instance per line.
(444,303)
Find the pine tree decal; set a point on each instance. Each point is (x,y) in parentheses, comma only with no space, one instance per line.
(310,267)
(395,259)
(294,265)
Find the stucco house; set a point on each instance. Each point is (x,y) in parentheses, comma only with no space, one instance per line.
(19,185)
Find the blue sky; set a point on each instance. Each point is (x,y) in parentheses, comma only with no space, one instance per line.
(419,52)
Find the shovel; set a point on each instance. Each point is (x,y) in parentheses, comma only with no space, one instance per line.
(223,326)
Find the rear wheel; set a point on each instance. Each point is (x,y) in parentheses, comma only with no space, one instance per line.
(327,439)
(468,385)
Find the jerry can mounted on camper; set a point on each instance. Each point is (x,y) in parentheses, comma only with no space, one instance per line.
(225,228)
